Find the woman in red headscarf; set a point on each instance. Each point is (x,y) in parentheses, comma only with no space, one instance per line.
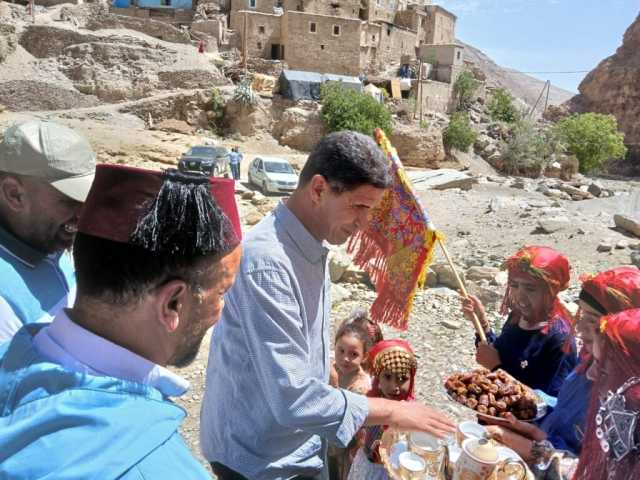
(535,345)
(393,366)
(606,293)
(612,442)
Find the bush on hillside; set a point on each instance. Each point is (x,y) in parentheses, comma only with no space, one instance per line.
(528,151)
(346,109)
(216,107)
(464,88)
(459,134)
(593,138)
(502,108)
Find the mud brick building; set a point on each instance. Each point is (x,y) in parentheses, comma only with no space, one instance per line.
(346,37)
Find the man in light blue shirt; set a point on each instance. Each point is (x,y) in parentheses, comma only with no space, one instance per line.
(89,395)
(235,159)
(46,171)
(268,410)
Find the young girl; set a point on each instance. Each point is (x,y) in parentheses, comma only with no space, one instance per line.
(535,345)
(393,365)
(352,344)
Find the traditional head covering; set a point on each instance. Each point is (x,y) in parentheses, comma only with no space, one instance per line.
(168,211)
(608,292)
(396,356)
(612,442)
(613,290)
(549,266)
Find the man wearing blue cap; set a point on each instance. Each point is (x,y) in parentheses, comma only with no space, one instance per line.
(46,171)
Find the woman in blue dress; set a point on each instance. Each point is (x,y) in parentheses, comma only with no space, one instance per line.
(535,345)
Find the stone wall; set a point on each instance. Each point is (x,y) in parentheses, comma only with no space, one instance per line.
(342,8)
(436,96)
(322,51)
(381,13)
(263,31)
(446,54)
(394,43)
(440,25)
(140,23)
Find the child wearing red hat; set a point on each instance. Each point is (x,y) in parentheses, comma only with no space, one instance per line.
(393,365)
(535,345)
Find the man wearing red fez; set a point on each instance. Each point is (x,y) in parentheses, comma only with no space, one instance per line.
(269,411)
(88,396)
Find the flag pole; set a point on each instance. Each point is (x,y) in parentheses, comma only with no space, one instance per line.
(465,294)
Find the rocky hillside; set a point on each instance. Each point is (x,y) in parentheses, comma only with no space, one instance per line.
(522,86)
(614,87)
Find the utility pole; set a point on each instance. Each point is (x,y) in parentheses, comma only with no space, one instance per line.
(245,49)
(32,7)
(547,87)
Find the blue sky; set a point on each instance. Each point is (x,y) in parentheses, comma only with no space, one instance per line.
(545,35)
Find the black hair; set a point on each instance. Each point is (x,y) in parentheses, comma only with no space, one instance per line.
(122,272)
(184,219)
(347,160)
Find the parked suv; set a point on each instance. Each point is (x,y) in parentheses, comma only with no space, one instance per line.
(207,159)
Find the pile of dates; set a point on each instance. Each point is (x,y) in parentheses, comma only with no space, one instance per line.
(492,393)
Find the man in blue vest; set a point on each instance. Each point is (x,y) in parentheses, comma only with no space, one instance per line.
(46,171)
(89,395)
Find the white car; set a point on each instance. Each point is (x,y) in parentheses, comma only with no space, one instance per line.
(273,175)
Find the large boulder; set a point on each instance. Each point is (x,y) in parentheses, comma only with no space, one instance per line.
(418,147)
(247,120)
(299,128)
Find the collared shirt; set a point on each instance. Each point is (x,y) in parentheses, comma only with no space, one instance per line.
(77,349)
(34,286)
(235,158)
(268,410)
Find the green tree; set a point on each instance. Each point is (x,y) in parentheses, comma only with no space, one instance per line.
(464,88)
(346,109)
(528,150)
(593,138)
(459,134)
(502,108)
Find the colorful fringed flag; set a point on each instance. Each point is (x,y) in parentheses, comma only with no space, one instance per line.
(397,246)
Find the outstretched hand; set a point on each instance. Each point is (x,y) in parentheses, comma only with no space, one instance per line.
(415,416)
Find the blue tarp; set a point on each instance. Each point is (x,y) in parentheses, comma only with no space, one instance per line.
(175,4)
(299,85)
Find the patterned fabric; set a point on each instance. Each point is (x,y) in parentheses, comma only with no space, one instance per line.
(397,246)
